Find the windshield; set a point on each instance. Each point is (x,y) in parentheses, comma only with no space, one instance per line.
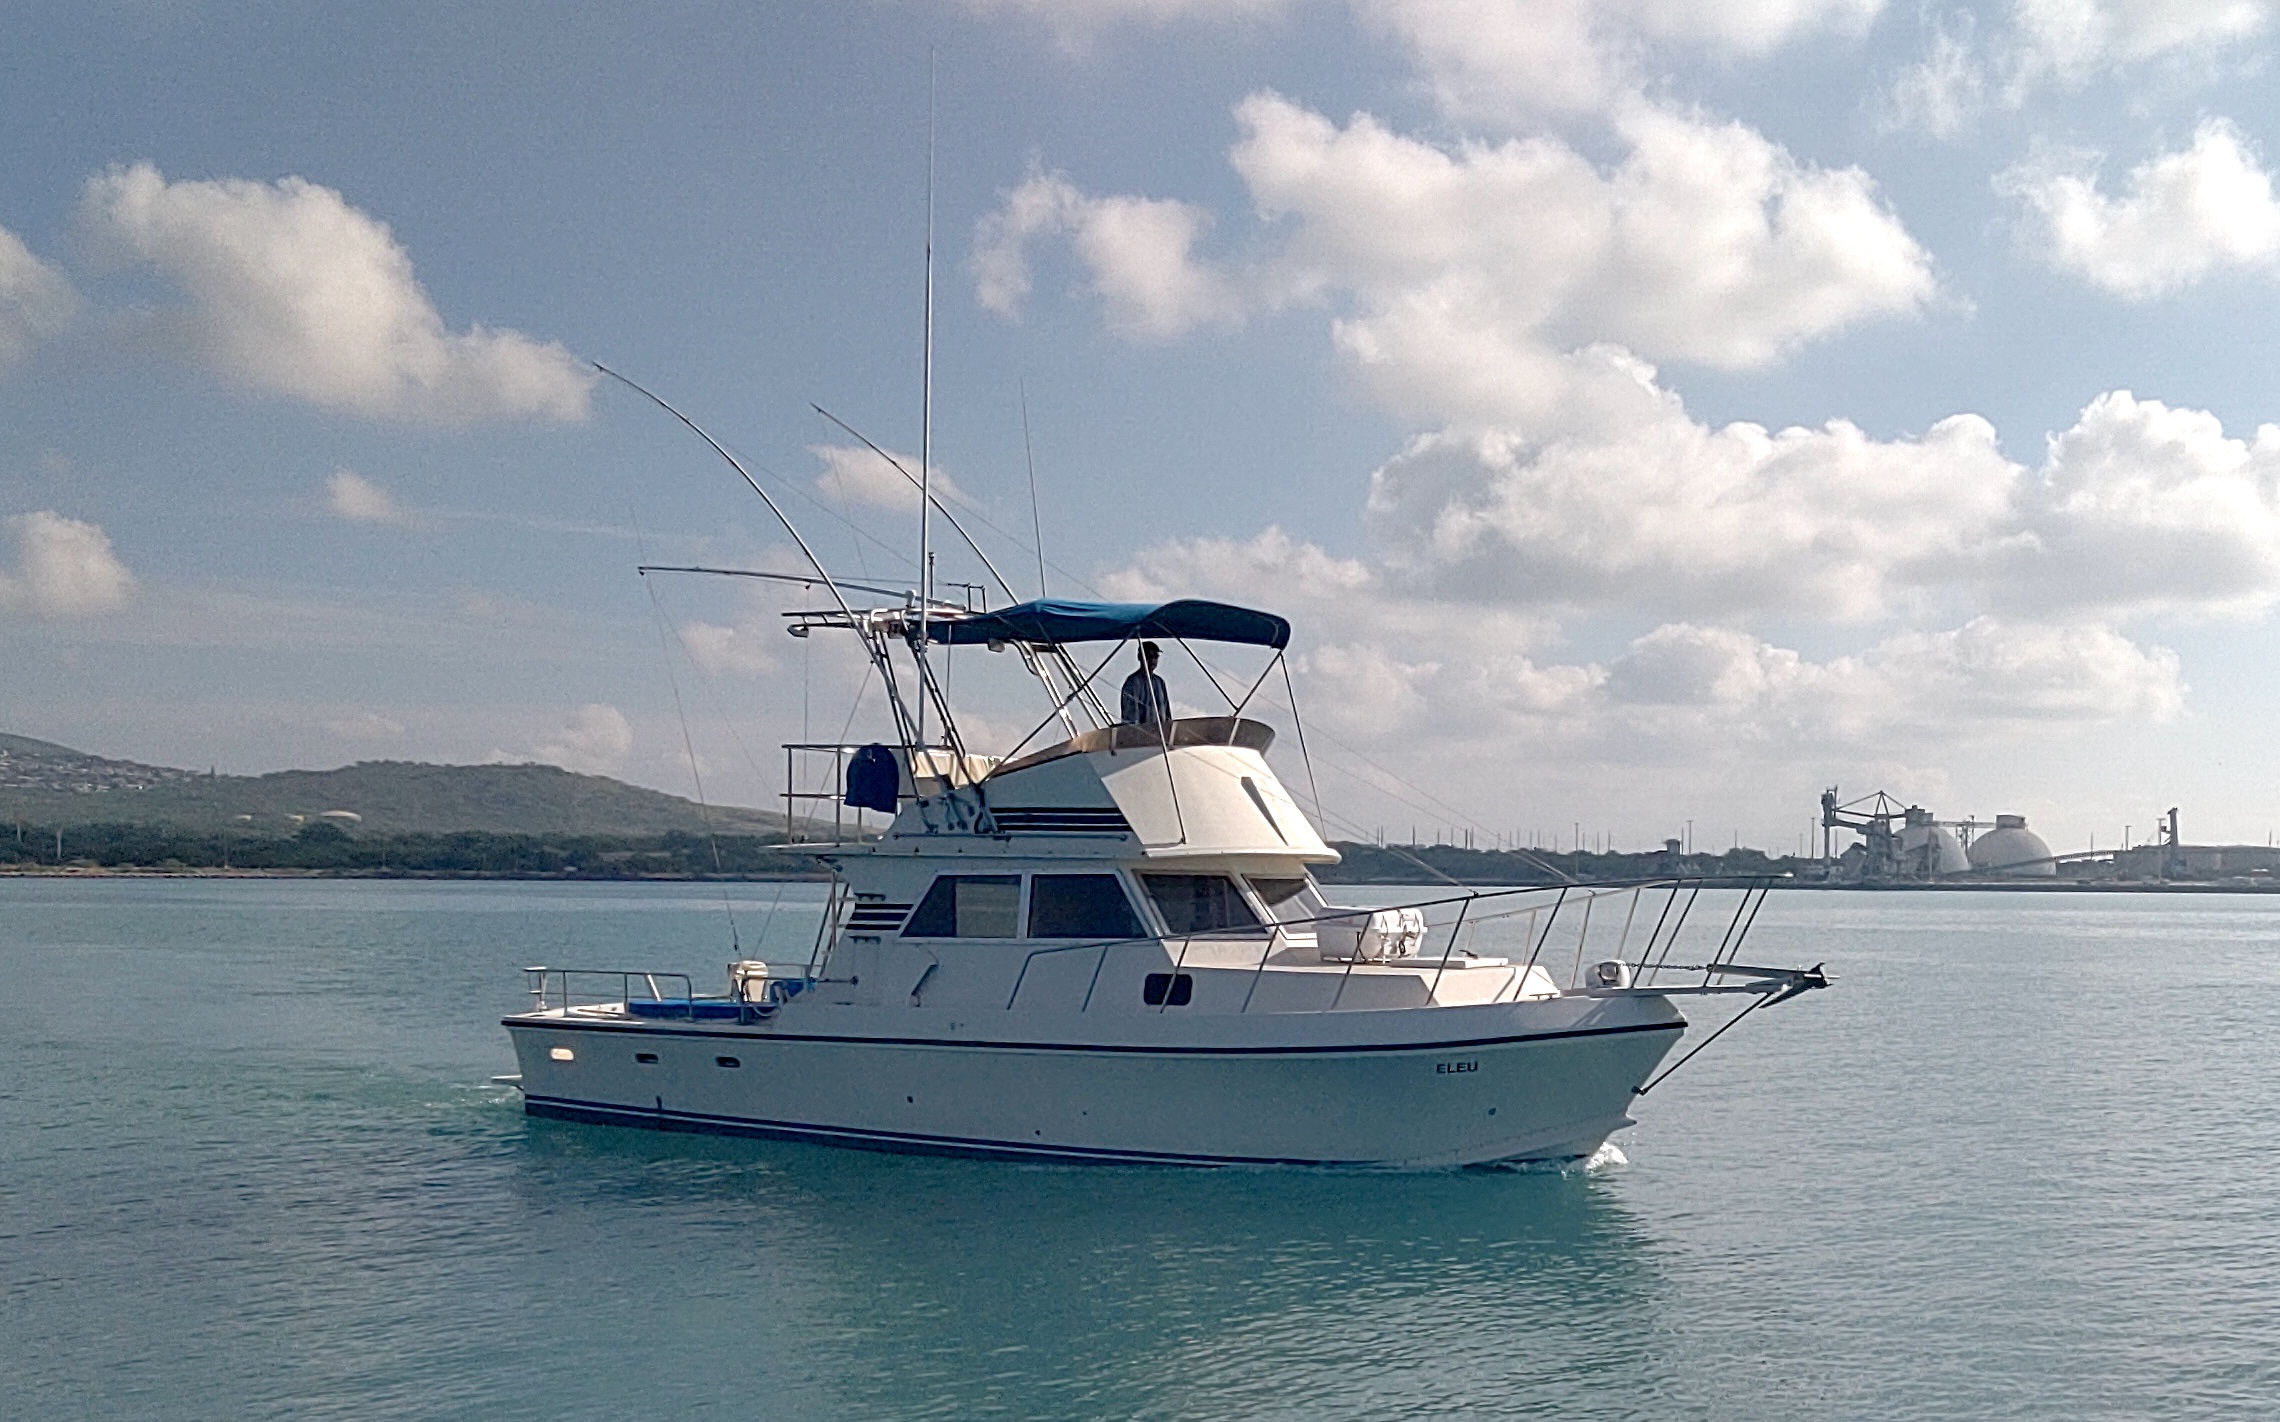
(1200,903)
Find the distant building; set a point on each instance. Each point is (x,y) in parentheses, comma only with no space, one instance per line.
(2196,861)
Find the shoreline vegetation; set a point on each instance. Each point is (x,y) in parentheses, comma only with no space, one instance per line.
(327,850)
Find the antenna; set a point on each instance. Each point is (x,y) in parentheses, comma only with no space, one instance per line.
(926,420)
(1036,523)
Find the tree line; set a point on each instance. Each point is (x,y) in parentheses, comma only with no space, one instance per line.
(328,848)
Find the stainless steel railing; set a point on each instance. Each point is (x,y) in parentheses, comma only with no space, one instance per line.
(561,989)
(1554,923)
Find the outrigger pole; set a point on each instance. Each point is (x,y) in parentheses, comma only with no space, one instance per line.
(803,581)
(877,653)
(1077,682)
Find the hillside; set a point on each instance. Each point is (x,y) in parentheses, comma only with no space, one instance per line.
(42,783)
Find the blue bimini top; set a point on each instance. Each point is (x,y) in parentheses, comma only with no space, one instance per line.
(1053,621)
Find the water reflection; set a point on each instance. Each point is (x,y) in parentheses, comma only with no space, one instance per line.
(925,1287)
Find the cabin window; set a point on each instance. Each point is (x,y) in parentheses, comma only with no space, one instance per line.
(646,1058)
(969,906)
(1167,990)
(1200,903)
(1284,898)
(727,1061)
(561,1054)
(1080,906)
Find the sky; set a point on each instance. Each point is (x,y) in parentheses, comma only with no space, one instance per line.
(1648,412)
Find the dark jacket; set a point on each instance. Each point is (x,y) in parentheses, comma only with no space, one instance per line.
(1146,699)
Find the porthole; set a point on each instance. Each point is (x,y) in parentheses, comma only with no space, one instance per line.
(1167,989)
(562,1054)
(727,1062)
(646,1058)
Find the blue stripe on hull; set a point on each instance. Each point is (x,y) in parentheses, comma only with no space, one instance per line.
(557,1024)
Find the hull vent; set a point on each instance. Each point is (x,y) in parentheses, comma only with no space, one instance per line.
(877,918)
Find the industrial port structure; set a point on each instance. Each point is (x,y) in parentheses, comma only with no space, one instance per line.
(1898,843)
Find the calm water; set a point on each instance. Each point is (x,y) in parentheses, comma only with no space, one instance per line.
(2023,1161)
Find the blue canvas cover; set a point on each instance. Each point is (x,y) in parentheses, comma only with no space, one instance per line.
(874,779)
(1051,621)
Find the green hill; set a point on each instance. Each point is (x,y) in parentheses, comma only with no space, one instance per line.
(46,784)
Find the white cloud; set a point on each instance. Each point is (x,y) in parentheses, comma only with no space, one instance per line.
(2073,38)
(1667,515)
(64,569)
(1943,93)
(36,301)
(1077,23)
(1471,270)
(2038,46)
(856,474)
(1999,596)
(596,741)
(743,649)
(293,291)
(1986,676)
(1404,676)
(1465,276)
(2181,216)
(1140,253)
(1508,60)
(352,496)
(2138,509)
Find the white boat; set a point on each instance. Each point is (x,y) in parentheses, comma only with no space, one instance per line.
(1114,949)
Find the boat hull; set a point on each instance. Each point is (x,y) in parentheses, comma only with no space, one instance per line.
(1465,1086)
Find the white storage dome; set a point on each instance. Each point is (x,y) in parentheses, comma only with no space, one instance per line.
(1919,834)
(2012,848)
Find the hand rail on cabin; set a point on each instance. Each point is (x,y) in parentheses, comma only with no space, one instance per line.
(1277,930)
(547,1000)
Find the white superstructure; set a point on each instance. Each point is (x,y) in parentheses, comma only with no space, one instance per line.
(1114,949)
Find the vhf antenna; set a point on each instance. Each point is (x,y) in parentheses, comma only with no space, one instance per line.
(926,423)
(1036,521)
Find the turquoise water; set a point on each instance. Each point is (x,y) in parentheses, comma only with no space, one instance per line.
(2022,1161)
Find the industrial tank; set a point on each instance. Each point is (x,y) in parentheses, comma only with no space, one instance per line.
(2012,848)
(1930,848)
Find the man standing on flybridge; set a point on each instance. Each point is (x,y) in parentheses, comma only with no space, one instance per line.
(1146,700)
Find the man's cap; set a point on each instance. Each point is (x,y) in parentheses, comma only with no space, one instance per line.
(1150,649)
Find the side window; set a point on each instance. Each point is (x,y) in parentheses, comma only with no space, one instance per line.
(1080,906)
(1199,903)
(1287,899)
(969,906)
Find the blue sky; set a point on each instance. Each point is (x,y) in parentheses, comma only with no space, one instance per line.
(1648,410)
